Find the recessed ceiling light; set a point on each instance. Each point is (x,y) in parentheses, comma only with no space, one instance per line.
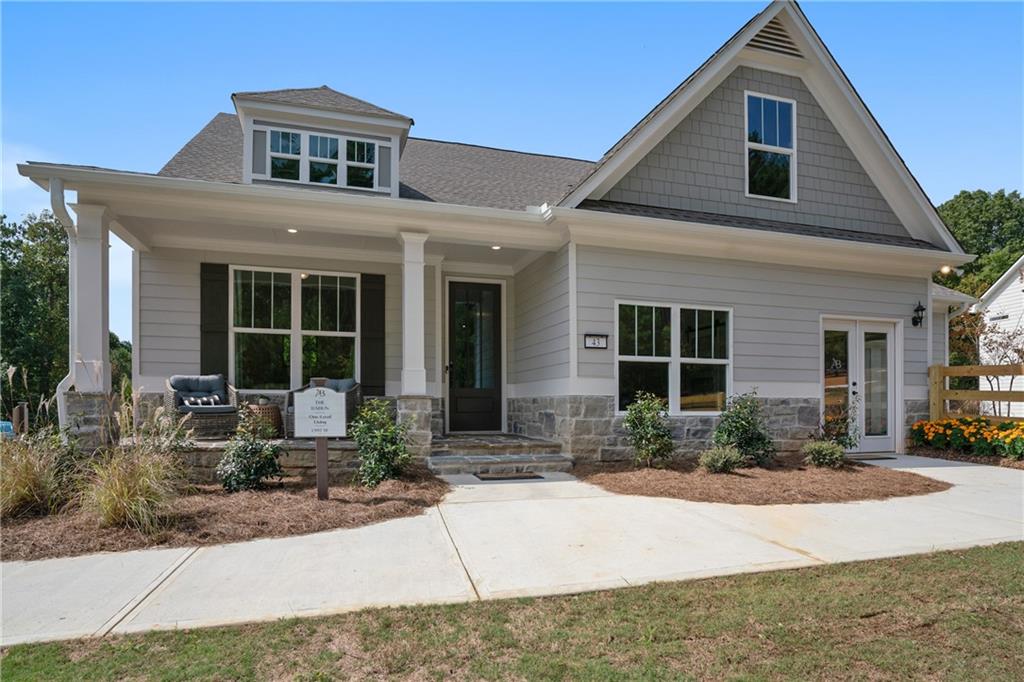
(292,230)
(304,275)
(495,248)
(946,269)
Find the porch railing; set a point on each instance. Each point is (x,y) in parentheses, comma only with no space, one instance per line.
(939,394)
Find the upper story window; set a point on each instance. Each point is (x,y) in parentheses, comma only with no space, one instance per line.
(771,147)
(320,159)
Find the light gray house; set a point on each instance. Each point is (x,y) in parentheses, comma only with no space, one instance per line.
(756,230)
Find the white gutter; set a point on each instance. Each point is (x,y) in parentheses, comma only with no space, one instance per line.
(60,211)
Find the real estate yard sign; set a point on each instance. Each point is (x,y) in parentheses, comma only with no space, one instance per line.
(320,414)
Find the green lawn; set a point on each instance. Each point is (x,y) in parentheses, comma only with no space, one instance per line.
(952,615)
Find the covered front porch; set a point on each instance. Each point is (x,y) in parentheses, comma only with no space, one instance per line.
(442,309)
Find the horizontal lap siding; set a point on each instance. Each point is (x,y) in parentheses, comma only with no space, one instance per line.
(541,319)
(777,309)
(168,312)
(939,337)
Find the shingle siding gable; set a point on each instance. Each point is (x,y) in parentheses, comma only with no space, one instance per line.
(699,165)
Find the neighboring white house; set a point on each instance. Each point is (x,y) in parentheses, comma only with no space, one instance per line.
(755,230)
(1003,308)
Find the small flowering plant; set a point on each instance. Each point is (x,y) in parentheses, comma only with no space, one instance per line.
(972,435)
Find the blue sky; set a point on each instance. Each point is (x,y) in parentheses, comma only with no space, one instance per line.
(125,85)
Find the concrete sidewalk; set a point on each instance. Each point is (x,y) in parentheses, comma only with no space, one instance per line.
(494,540)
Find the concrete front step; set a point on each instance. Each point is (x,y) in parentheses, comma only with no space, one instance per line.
(499,464)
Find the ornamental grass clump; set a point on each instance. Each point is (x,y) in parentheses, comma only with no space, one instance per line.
(646,422)
(381,441)
(721,459)
(250,458)
(744,426)
(39,473)
(979,436)
(824,453)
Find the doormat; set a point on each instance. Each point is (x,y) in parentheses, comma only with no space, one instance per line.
(510,476)
(870,458)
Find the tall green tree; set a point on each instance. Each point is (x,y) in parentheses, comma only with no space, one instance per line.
(989,225)
(34,312)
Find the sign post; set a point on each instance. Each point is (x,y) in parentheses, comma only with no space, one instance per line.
(320,414)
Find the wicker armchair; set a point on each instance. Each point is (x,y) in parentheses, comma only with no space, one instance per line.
(208,420)
(353,399)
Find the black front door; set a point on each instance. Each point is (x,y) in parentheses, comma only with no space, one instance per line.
(474,356)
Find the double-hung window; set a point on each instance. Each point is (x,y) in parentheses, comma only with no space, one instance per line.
(290,325)
(320,159)
(677,352)
(771,147)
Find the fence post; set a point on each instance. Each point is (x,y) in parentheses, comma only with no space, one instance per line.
(936,388)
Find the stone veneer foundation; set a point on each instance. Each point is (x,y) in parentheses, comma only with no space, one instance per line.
(90,418)
(588,428)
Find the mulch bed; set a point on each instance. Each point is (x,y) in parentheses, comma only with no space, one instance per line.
(788,482)
(209,516)
(955,456)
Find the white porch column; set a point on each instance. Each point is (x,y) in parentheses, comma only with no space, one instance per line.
(89,312)
(414,372)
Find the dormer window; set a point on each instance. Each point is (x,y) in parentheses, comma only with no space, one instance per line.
(315,158)
(771,147)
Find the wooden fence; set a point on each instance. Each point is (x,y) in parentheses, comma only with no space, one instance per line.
(939,393)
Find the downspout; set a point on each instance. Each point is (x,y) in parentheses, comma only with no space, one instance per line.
(60,211)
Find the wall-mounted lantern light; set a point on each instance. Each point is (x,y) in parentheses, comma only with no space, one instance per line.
(918,317)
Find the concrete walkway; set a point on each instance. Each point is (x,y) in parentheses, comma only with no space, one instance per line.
(494,540)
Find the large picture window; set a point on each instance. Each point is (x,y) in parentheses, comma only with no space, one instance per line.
(678,352)
(278,313)
(771,147)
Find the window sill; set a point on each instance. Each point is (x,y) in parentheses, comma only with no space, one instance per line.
(779,199)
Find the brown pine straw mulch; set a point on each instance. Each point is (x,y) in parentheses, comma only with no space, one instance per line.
(790,481)
(207,515)
(954,456)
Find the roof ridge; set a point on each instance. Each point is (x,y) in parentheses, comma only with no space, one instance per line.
(501,149)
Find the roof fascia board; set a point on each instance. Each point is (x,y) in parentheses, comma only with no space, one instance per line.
(255,103)
(1004,280)
(688,96)
(385,125)
(713,241)
(891,166)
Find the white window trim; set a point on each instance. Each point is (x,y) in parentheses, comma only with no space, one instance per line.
(675,359)
(748,145)
(295,330)
(304,158)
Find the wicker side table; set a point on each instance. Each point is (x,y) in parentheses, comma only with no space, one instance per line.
(270,414)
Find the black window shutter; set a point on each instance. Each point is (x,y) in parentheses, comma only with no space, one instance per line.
(213,318)
(371,334)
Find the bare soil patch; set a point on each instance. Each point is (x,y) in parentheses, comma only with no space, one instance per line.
(790,481)
(207,515)
(955,456)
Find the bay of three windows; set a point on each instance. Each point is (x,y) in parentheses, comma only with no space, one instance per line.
(674,350)
(320,164)
(268,327)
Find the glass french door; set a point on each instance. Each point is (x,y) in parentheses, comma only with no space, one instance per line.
(857,378)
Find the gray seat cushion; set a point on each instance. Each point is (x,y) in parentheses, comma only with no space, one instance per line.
(200,386)
(207,409)
(341,385)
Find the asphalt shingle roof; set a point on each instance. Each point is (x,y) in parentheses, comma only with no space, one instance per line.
(443,172)
(716,219)
(322,97)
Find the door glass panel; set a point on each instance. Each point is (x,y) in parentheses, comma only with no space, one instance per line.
(876,384)
(473,343)
(837,376)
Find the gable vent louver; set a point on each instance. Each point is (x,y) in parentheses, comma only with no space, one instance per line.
(774,38)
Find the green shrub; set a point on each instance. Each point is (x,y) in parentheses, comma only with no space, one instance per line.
(823,453)
(721,459)
(744,426)
(383,452)
(649,434)
(39,473)
(131,487)
(250,459)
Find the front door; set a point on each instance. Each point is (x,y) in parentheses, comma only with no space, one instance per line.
(858,380)
(474,356)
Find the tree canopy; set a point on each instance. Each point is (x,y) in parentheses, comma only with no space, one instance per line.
(989,225)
